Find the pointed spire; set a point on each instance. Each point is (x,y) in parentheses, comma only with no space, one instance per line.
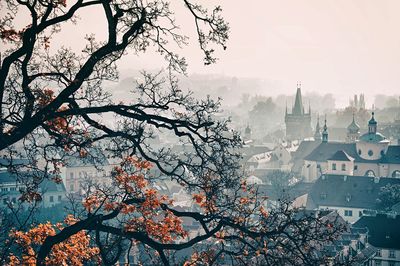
(309,107)
(298,108)
(325,132)
(317,134)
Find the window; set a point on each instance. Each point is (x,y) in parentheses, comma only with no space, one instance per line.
(396,174)
(51,199)
(392,263)
(318,166)
(71,187)
(360,214)
(323,195)
(13,188)
(382,152)
(355,167)
(59,197)
(343,167)
(392,254)
(378,253)
(378,262)
(359,152)
(333,166)
(348,213)
(3,189)
(71,175)
(370,153)
(370,173)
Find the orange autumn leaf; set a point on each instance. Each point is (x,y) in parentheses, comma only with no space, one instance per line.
(74,251)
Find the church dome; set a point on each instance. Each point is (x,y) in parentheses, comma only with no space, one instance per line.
(353,127)
(373,138)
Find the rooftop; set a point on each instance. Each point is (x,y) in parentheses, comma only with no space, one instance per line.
(384,231)
(325,151)
(348,191)
(341,156)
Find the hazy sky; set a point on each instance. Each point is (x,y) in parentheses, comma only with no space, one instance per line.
(337,46)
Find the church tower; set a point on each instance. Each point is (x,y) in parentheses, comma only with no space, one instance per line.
(372,124)
(353,131)
(247,133)
(317,134)
(298,122)
(325,133)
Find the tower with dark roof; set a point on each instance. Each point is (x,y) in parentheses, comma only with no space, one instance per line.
(325,133)
(372,125)
(298,122)
(247,133)
(353,131)
(317,134)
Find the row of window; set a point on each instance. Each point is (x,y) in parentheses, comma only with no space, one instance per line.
(392,253)
(14,199)
(349,213)
(5,189)
(371,152)
(89,174)
(369,173)
(343,167)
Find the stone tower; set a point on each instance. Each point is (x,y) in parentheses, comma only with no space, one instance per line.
(298,122)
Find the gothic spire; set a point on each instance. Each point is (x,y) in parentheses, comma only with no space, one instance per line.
(298,108)
(317,134)
(325,132)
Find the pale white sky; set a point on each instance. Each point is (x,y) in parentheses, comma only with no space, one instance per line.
(337,46)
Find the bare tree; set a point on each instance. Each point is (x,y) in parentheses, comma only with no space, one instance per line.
(52,105)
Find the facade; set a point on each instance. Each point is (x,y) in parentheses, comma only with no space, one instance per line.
(351,196)
(370,155)
(298,122)
(384,235)
(80,171)
(52,193)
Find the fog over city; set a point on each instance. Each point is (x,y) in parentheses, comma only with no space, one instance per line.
(200,132)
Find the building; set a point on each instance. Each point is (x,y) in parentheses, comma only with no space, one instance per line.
(10,186)
(384,235)
(370,155)
(298,122)
(351,248)
(93,168)
(353,131)
(351,196)
(317,134)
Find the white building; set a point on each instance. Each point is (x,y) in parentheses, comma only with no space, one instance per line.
(350,196)
(370,155)
(10,186)
(383,234)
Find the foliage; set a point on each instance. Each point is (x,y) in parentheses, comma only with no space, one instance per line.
(389,195)
(53,107)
